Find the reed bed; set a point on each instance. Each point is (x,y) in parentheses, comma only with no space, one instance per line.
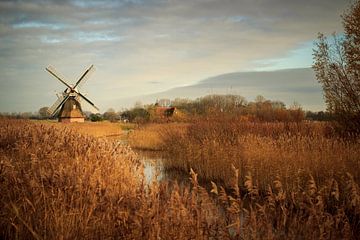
(102,129)
(266,150)
(60,184)
(65,185)
(150,136)
(300,159)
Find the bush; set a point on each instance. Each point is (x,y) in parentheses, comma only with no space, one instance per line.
(96,117)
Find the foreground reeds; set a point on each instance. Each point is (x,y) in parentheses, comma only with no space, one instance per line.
(59,184)
(306,164)
(63,185)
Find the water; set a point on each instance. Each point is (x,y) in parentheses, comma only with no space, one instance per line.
(153,168)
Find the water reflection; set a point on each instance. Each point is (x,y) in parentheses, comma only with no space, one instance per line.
(154,169)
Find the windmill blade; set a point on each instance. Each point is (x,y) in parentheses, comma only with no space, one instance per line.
(88,101)
(59,102)
(53,72)
(85,77)
(55,105)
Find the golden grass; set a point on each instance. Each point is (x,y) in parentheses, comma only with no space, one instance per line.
(150,136)
(59,184)
(290,158)
(267,150)
(97,129)
(64,185)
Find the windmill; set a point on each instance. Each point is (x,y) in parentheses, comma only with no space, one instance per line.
(67,106)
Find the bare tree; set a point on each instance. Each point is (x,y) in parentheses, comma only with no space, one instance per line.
(337,67)
(43,112)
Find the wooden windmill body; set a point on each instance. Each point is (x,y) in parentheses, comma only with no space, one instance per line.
(71,111)
(68,107)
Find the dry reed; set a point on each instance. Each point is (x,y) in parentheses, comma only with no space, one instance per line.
(102,129)
(150,136)
(64,185)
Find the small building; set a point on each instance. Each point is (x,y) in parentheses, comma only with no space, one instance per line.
(165,111)
(164,102)
(71,111)
(163,108)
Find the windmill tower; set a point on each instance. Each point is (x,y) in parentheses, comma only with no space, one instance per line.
(67,107)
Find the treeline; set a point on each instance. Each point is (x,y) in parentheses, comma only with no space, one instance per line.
(234,105)
(216,106)
(260,109)
(41,114)
(22,115)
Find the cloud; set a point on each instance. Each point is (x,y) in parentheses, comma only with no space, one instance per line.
(288,86)
(154,82)
(134,42)
(37,25)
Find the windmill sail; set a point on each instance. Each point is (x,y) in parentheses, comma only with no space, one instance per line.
(68,104)
(59,77)
(84,77)
(88,101)
(53,109)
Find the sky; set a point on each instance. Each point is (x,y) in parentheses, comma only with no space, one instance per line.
(141,47)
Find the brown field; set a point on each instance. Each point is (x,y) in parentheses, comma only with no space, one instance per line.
(103,129)
(283,181)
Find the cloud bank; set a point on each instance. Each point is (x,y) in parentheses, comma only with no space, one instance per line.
(140,47)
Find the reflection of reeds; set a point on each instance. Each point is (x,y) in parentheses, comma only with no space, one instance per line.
(62,185)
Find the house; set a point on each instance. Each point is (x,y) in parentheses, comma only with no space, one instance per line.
(163,108)
(164,111)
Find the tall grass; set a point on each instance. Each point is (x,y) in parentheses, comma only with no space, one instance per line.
(64,185)
(60,184)
(266,150)
(102,129)
(291,164)
(150,136)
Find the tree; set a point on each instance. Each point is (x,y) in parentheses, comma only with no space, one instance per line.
(43,112)
(95,117)
(337,68)
(296,112)
(260,99)
(111,115)
(139,115)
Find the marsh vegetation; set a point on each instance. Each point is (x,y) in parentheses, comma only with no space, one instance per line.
(268,181)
